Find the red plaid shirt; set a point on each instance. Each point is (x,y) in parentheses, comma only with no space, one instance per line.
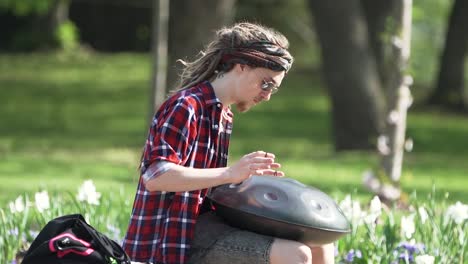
(188,130)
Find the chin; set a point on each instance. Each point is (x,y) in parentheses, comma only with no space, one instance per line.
(243,107)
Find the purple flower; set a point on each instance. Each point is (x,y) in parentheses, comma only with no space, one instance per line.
(412,247)
(33,233)
(407,256)
(407,251)
(352,254)
(14,231)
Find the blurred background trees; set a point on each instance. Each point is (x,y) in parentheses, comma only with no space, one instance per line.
(449,87)
(350,73)
(351,44)
(28,25)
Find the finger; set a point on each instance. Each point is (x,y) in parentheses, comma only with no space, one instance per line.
(261,153)
(264,164)
(262,160)
(270,172)
(275,165)
(259,166)
(253,154)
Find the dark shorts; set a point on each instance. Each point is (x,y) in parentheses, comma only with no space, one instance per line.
(216,242)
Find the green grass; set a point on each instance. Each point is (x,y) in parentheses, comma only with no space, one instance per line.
(67,119)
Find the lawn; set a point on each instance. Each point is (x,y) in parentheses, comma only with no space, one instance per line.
(65,119)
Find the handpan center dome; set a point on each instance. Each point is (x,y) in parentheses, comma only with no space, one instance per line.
(281,207)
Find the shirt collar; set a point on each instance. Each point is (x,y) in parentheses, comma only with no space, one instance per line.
(208,93)
(210,98)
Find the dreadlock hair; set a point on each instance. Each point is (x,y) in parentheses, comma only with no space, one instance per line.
(209,63)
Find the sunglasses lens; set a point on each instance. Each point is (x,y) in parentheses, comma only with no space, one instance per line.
(269,86)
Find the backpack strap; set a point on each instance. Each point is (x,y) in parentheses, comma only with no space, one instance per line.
(109,247)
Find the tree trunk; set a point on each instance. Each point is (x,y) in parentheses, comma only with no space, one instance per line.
(159,52)
(192,25)
(58,14)
(377,13)
(399,97)
(350,73)
(391,144)
(45,26)
(449,89)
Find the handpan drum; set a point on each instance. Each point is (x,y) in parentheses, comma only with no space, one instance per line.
(281,207)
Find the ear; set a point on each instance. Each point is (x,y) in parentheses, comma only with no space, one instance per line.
(239,67)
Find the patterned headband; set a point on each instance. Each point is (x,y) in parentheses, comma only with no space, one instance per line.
(260,54)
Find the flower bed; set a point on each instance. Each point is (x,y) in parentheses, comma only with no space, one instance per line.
(424,232)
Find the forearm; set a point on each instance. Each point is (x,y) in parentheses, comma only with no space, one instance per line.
(179,178)
(169,177)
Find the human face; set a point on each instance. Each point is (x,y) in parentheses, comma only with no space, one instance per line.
(258,84)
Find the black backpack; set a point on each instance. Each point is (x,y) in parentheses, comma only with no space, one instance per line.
(70,240)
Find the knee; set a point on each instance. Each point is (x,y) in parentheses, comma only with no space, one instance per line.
(324,254)
(304,254)
(286,251)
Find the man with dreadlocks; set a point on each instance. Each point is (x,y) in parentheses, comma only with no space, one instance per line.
(186,154)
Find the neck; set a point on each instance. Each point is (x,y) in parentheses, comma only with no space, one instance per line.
(223,88)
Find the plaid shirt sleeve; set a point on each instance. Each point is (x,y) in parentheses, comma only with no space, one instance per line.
(156,169)
(171,135)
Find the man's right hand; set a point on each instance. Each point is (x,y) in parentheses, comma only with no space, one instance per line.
(255,163)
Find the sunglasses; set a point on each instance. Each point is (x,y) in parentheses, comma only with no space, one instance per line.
(269,86)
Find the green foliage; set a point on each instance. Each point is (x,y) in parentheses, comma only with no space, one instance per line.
(38,32)
(379,234)
(430,20)
(67,36)
(392,235)
(26,7)
(292,18)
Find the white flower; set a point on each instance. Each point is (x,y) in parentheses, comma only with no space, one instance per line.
(346,206)
(424,259)
(375,206)
(457,212)
(42,201)
(375,210)
(423,214)
(407,226)
(87,192)
(461,236)
(352,210)
(87,217)
(18,205)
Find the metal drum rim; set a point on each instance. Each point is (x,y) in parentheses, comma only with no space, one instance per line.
(278,220)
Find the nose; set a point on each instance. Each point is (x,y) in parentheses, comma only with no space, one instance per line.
(265,95)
